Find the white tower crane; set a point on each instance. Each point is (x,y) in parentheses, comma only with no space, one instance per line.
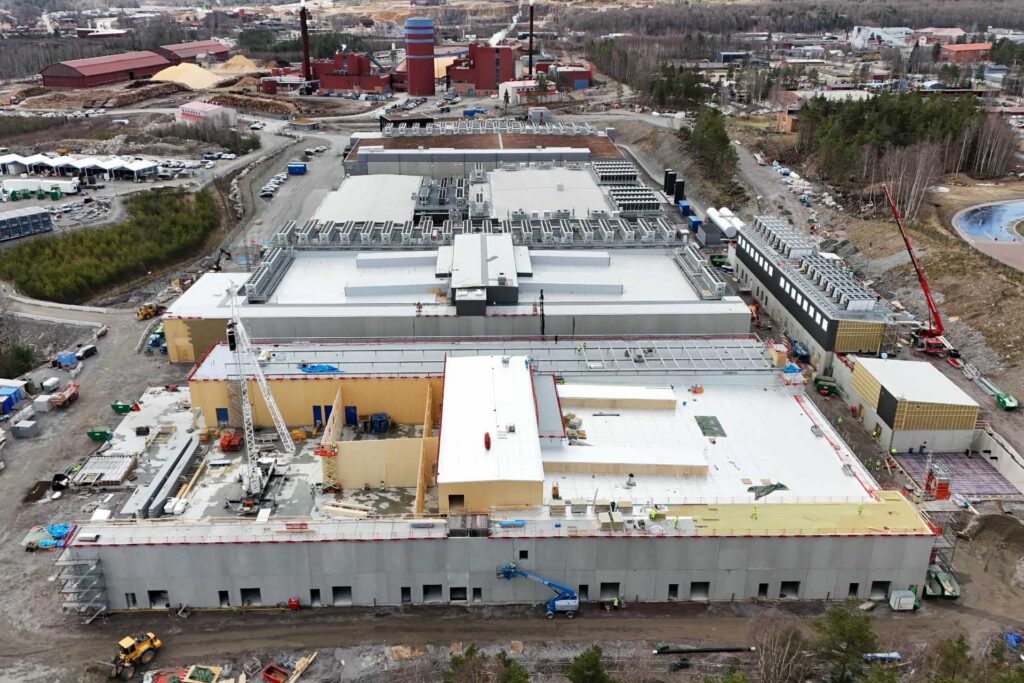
(254,477)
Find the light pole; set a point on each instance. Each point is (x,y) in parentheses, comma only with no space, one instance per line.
(530,45)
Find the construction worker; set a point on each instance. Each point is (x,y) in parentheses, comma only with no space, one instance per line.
(753,513)
(892,451)
(878,464)
(839,420)
(860,509)
(615,602)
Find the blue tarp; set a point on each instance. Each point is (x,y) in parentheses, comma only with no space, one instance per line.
(318,368)
(791,368)
(58,531)
(1013,640)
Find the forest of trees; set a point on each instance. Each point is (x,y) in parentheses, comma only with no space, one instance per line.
(164,226)
(907,141)
(261,45)
(790,15)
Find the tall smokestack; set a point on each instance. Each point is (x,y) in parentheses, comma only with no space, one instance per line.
(307,72)
(530,47)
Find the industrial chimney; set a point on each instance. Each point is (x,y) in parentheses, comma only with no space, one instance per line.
(307,72)
(530,46)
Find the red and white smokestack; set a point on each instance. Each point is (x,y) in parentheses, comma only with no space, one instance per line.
(307,71)
(530,46)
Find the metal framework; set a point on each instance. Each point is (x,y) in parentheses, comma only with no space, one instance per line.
(82,587)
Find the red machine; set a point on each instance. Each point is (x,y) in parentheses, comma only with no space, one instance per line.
(929,336)
(936,482)
(231,442)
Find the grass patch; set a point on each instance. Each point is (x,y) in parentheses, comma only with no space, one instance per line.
(164,226)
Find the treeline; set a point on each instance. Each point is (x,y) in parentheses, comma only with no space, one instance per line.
(261,44)
(907,141)
(164,226)
(18,125)
(228,138)
(790,15)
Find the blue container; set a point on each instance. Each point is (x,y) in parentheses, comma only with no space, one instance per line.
(580,84)
(67,358)
(684,207)
(694,222)
(297,168)
(351,416)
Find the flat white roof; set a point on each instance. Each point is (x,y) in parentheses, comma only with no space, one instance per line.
(911,380)
(387,284)
(544,189)
(383,197)
(768,439)
(488,395)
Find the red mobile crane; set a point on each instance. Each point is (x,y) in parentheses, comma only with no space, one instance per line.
(931,336)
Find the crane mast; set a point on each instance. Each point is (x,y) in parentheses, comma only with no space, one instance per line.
(254,478)
(935,328)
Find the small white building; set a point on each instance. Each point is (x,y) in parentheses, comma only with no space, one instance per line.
(206,112)
(526,92)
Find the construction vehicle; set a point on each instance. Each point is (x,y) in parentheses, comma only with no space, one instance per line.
(148,310)
(65,397)
(566,600)
(258,471)
(134,650)
(929,339)
(231,442)
(1005,401)
(215,267)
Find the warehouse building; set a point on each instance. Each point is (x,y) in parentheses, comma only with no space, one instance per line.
(813,295)
(912,407)
(739,488)
(206,113)
(97,71)
(194,52)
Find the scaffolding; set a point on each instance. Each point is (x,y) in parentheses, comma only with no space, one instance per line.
(83,590)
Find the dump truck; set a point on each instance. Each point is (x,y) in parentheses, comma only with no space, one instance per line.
(65,397)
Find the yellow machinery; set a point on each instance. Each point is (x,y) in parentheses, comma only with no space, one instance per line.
(149,310)
(139,649)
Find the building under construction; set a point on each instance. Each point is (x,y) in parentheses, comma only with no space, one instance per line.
(435,377)
(657,469)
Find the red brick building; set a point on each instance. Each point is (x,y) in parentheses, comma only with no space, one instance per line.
(350,72)
(482,70)
(189,52)
(96,71)
(969,53)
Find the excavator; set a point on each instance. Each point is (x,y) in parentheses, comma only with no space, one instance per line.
(132,651)
(215,267)
(148,310)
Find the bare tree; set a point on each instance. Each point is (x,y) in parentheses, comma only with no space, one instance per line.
(781,651)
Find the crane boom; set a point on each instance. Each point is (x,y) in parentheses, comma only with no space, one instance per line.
(935,328)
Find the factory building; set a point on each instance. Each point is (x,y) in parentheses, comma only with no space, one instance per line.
(482,70)
(911,407)
(97,71)
(419,56)
(332,290)
(572,76)
(738,489)
(812,295)
(194,52)
(30,220)
(351,72)
(458,148)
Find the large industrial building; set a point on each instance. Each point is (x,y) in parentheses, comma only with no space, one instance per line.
(127,66)
(482,70)
(520,250)
(489,344)
(813,295)
(657,469)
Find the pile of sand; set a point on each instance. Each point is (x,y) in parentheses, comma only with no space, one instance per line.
(188,75)
(239,64)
